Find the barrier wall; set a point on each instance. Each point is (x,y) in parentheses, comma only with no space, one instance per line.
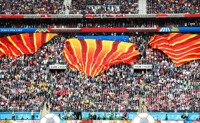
(156,115)
(24,115)
(92,121)
(117,115)
(88,30)
(24,16)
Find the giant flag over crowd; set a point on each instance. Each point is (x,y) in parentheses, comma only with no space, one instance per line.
(180,48)
(92,56)
(1,54)
(27,43)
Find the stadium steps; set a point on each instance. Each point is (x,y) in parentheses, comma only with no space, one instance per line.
(44,111)
(142,6)
(67,3)
(142,100)
(143,108)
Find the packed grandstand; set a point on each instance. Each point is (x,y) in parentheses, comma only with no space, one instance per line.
(96,6)
(27,83)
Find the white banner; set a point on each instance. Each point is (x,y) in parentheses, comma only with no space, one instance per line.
(142,66)
(57,66)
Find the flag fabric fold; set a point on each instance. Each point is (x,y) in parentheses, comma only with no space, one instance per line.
(20,44)
(92,56)
(180,48)
(1,54)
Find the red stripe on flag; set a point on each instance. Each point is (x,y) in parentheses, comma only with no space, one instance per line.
(180,48)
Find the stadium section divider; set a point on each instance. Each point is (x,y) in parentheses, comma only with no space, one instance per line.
(17,16)
(129,29)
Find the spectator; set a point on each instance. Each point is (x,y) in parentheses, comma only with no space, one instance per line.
(32,115)
(13,115)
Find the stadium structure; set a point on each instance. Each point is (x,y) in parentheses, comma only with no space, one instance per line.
(96,61)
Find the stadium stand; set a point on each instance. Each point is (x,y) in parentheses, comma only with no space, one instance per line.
(173,6)
(28,84)
(27,81)
(131,6)
(31,6)
(104,6)
(97,6)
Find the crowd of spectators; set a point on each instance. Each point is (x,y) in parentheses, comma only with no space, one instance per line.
(173,6)
(131,6)
(31,6)
(170,88)
(104,2)
(97,6)
(104,7)
(77,23)
(26,83)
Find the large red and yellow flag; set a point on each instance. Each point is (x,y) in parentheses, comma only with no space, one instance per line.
(93,57)
(1,54)
(27,43)
(180,48)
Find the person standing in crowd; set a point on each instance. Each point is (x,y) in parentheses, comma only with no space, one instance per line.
(13,115)
(32,115)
